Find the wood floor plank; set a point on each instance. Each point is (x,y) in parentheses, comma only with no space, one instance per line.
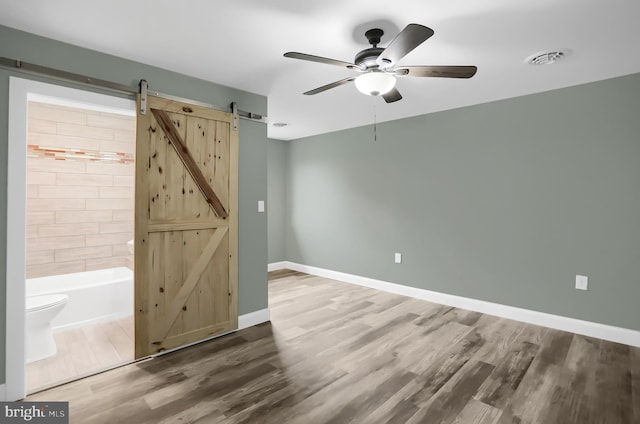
(445,406)
(499,335)
(324,403)
(399,412)
(444,365)
(613,377)
(340,353)
(530,402)
(506,377)
(371,397)
(476,412)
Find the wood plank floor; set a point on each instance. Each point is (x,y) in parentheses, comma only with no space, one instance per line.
(339,353)
(83,351)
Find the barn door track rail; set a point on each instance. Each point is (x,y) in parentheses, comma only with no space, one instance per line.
(60,75)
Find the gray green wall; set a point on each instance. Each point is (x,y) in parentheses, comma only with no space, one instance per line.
(504,202)
(253,147)
(277,178)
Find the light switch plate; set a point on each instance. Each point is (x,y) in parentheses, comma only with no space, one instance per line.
(398,258)
(260,205)
(582,282)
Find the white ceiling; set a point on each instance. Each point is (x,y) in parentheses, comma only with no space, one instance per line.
(240,43)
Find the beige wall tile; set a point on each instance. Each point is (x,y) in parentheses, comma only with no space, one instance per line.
(39,257)
(117,147)
(116,193)
(82,144)
(31,231)
(85,131)
(41,217)
(32,191)
(86,179)
(125,136)
(44,270)
(123,181)
(71,217)
(55,230)
(63,142)
(57,113)
(52,243)
(68,192)
(39,139)
(82,253)
(35,177)
(113,121)
(114,239)
(103,204)
(109,168)
(116,227)
(56,165)
(35,205)
(123,215)
(72,200)
(104,263)
(41,126)
(120,250)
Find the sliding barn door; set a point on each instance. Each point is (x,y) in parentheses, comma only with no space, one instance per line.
(186,227)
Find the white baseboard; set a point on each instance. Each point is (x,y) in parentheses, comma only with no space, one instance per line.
(253,318)
(244,321)
(275,266)
(3,392)
(587,328)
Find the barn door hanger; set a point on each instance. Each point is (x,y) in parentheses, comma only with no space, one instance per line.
(143,97)
(234,111)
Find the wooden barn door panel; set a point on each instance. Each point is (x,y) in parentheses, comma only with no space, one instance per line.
(186,225)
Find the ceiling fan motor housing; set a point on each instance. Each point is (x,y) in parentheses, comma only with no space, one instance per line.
(367,57)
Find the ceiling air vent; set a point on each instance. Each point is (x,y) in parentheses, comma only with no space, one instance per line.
(545,58)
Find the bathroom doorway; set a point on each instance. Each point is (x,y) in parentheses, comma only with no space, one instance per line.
(74,166)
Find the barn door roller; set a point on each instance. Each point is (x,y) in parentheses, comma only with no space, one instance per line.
(143,97)
(234,111)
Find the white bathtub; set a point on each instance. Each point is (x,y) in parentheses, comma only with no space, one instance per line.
(94,296)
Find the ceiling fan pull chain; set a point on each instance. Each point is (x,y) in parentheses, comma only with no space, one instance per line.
(375,122)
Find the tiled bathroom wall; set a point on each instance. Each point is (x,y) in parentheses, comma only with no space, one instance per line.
(80,188)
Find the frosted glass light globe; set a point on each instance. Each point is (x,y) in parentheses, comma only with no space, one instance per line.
(375,83)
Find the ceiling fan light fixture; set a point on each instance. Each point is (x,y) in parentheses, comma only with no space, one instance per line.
(375,83)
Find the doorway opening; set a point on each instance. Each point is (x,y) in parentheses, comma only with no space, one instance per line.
(71,158)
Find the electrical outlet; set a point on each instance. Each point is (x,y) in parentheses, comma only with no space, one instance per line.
(582,282)
(260,205)
(398,258)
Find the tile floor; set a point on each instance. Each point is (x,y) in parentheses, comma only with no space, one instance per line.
(83,351)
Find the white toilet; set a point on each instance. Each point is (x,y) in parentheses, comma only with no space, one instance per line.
(40,311)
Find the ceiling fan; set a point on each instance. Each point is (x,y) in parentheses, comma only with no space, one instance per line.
(378,68)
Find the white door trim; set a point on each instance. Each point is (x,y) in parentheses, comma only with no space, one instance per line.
(20,92)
